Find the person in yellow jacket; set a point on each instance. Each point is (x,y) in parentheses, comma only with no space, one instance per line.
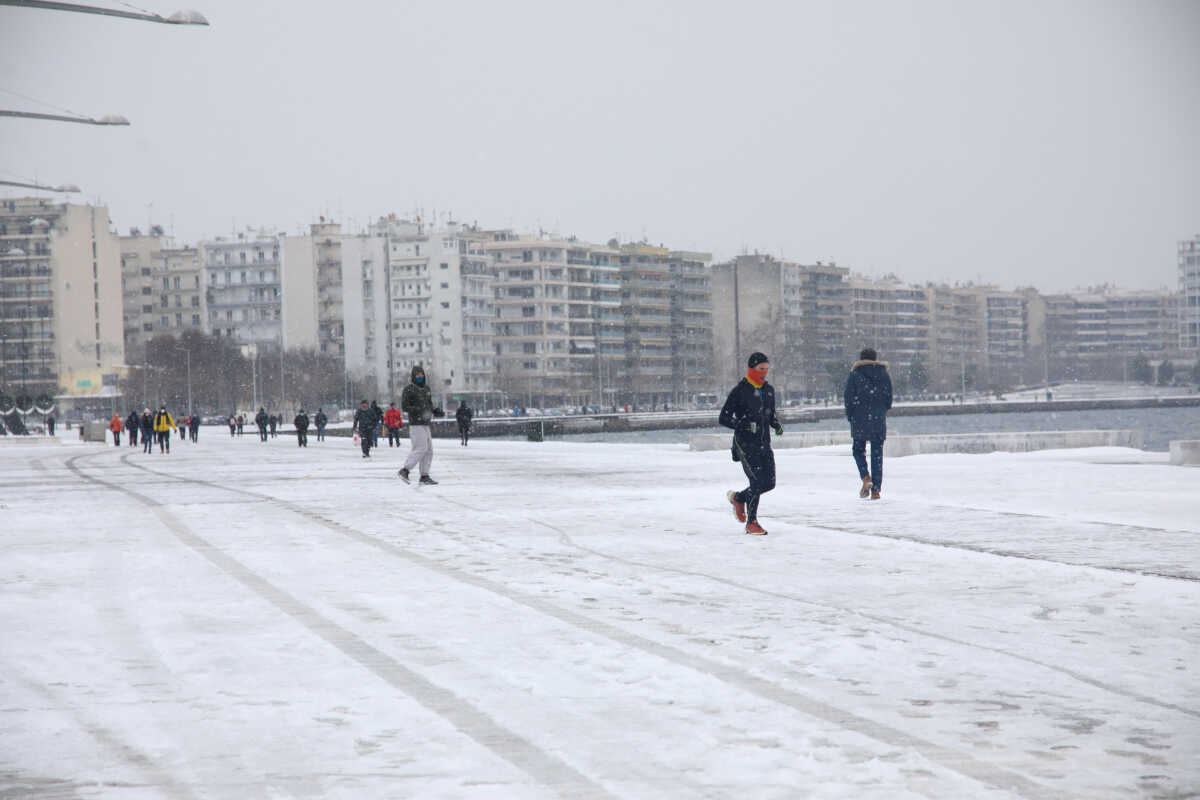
(163,423)
(116,426)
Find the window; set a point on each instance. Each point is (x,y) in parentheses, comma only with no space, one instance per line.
(445,285)
(145,270)
(166,283)
(179,320)
(195,301)
(444,265)
(147,326)
(445,305)
(165,322)
(148,309)
(177,283)
(147,290)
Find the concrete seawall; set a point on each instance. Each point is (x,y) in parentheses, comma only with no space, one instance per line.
(897,446)
(549,426)
(1185,452)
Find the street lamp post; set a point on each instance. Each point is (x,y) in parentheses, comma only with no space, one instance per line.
(188,354)
(107,119)
(183,17)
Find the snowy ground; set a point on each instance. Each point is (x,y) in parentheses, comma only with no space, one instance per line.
(240,620)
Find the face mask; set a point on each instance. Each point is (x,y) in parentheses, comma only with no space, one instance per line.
(419,379)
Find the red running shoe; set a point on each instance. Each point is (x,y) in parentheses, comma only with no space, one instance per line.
(739,508)
(754,528)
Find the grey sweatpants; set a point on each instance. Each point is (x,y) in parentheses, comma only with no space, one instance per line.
(421,440)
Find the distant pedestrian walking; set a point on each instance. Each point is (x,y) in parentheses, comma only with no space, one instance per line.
(364,426)
(321,421)
(273,422)
(868,397)
(132,423)
(194,427)
(463,417)
(417,402)
(50,425)
(377,428)
(116,426)
(261,419)
(750,411)
(301,423)
(241,423)
(163,424)
(147,432)
(393,420)
(232,426)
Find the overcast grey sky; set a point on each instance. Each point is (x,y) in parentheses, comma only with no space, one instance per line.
(1049,143)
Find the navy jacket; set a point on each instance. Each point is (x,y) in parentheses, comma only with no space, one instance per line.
(868,397)
(751,414)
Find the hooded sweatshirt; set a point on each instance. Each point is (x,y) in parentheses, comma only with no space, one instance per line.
(416,401)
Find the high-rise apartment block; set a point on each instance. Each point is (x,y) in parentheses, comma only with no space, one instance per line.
(665,302)
(243,287)
(1189,297)
(61,328)
(162,289)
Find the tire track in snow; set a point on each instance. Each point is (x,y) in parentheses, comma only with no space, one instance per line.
(949,758)
(542,766)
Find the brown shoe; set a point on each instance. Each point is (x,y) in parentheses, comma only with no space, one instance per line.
(874,494)
(754,528)
(865,491)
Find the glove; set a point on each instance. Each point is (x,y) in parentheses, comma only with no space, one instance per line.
(437,412)
(777,428)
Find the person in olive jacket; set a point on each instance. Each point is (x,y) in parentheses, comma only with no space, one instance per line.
(867,398)
(417,402)
(750,411)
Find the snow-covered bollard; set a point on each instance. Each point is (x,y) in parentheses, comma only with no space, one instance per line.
(1185,451)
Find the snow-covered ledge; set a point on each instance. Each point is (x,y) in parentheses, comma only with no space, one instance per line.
(1185,451)
(1018,442)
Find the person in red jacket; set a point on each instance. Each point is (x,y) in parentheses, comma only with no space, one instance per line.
(393,421)
(116,426)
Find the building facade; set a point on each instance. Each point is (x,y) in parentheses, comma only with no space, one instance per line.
(243,287)
(1189,297)
(61,326)
(162,289)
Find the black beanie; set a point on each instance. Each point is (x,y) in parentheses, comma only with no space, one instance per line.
(756,359)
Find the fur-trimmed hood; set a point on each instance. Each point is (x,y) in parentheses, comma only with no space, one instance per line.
(858,364)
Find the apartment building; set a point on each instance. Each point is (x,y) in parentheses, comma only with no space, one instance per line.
(646,285)
(557,301)
(438,286)
(1096,333)
(798,314)
(1189,297)
(693,370)
(162,289)
(893,318)
(243,287)
(61,328)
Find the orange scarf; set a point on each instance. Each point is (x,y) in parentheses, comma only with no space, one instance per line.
(750,376)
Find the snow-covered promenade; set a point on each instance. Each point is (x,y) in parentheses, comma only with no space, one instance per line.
(244,620)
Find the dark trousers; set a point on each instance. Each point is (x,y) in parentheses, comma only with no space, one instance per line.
(859,449)
(164,441)
(262,433)
(49,427)
(301,438)
(365,440)
(758,462)
(393,437)
(147,441)
(133,437)
(232,430)
(320,433)
(194,432)
(117,438)
(464,433)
